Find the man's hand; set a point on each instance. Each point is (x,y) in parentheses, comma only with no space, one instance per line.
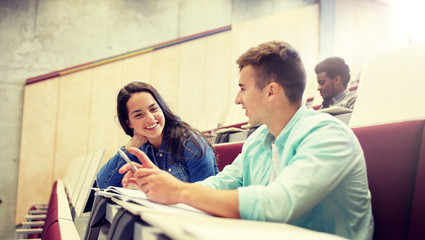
(162,187)
(129,172)
(158,185)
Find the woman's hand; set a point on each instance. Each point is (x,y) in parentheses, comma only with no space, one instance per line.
(136,141)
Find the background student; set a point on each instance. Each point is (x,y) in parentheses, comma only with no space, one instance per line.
(333,75)
(169,142)
(301,167)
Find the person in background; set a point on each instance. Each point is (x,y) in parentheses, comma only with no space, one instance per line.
(170,143)
(333,76)
(300,166)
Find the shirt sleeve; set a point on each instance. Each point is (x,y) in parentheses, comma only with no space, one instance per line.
(314,163)
(351,101)
(108,175)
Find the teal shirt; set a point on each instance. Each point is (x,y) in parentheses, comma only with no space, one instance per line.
(321,181)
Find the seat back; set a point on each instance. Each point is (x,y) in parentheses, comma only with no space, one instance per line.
(391,152)
(88,181)
(52,214)
(417,220)
(53,232)
(226,153)
(379,97)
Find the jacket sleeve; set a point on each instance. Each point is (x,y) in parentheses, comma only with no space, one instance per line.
(108,174)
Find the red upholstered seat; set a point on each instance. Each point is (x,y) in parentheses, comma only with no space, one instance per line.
(317,107)
(417,219)
(392,153)
(53,232)
(51,216)
(226,153)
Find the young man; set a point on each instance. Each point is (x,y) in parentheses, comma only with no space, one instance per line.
(300,167)
(333,76)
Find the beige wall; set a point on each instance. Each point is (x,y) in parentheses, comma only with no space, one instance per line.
(73,117)
(37,163)
(69,116)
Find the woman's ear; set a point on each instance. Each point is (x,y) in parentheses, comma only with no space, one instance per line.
(129,124)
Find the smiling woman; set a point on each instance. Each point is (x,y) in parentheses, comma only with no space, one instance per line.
(145,119)
(170,143)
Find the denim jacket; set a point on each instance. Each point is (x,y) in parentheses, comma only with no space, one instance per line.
(189,170)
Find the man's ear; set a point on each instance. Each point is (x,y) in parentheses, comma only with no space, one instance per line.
(272,90)
(337,80)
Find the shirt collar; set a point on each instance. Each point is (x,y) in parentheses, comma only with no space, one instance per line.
(283,135)
(163,148)
(337,98)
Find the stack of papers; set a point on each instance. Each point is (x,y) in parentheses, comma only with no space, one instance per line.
(139,197)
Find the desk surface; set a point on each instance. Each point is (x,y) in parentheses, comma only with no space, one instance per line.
(196,226)
(209,228)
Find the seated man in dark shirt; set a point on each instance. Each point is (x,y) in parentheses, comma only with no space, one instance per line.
(333,75)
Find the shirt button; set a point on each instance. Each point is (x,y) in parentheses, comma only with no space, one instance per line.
(160,154)
(169,169)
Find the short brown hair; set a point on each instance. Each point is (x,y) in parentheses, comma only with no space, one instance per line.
(279,62)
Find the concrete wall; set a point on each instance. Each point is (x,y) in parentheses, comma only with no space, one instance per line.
(41,36)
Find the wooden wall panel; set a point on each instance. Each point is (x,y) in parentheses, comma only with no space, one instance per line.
(36,164)
(138,68)
(218,62)
(73,119)
(103,129)
(165,75)
(266,28)
(191,90)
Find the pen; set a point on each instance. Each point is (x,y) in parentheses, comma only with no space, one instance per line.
(123,155)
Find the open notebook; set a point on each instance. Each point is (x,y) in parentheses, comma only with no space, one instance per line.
(139,197)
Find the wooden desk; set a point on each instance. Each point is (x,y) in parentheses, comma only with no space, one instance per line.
(193,227)
(196,226)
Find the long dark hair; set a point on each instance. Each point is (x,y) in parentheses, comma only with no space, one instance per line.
(177,132)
